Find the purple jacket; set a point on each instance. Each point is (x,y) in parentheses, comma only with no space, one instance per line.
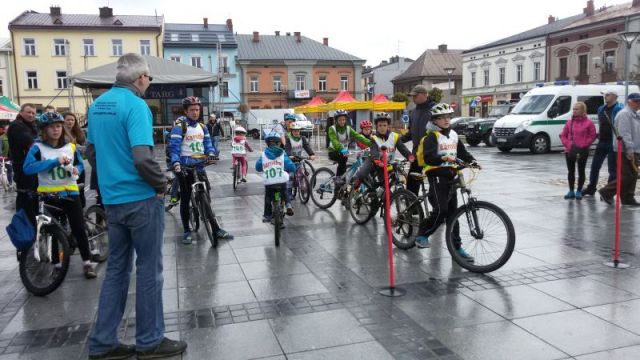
(578,131)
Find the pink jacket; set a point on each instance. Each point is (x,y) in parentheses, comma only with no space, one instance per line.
(579,131)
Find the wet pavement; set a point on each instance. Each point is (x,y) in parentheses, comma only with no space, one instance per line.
(315,297)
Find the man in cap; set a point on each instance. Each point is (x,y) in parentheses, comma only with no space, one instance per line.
(606,113)
(628,124)
(420,117)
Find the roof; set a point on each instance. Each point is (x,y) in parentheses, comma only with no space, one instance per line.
(282,47)
(163,72)
(387,63)
(432,63)
(5,44)
(609,13)
(32,19)
(213,34)
(539,31)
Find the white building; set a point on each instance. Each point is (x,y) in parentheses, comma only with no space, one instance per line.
(377,79)
(502,71)
(6,71)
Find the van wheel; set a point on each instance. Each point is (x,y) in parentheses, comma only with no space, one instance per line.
(489,140)
(540,144)
(473,142)
(504,149)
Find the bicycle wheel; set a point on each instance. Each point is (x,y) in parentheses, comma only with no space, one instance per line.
(194,217)
(236,175)
(406,216)
(323,188)
(362,204)
(309,170)
(5,182)
(208,218)
(486,233)
(304,189)
(95,220)
(42,277)
(277,219)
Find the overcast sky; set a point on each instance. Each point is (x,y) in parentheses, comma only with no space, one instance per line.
(362,28)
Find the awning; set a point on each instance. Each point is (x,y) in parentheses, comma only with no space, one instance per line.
(382,103)
(164,72)
(6,102)
(315,105)
(7,113)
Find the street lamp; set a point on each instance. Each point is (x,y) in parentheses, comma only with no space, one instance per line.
(629,38)
(449,71)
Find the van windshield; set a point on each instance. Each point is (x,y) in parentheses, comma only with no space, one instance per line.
(533,104)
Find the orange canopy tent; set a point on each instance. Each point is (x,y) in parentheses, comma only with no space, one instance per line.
(343,101)
(382,103)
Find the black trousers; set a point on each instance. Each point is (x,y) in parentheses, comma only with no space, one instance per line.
(413,185)
(72,209)
(443,205)
(581,160)
(269,193)
(186,179)
(629,179)
(341,160)
(25,182)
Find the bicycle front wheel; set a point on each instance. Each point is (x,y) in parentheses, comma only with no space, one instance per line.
(236,175)
(95,220)
(42,277)
(277,220)
(309,170)
(485,232)
(208,218)
(194,216)
(304,189)
(323,188)
(362,204)
(406,215)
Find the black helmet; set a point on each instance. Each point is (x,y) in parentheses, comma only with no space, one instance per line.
(49,118)
(190,100)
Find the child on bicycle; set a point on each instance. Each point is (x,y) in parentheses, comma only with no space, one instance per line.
(340,135)
(437,154)
(366,131)
(239,148)
(58,164)
(295,144)
(275,166)
(190,141)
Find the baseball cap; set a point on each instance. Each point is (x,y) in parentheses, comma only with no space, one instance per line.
(609,92)
(634,97)
(419,89)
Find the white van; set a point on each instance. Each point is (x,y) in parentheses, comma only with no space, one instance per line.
(537,120)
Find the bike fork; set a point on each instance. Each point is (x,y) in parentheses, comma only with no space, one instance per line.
(473,221)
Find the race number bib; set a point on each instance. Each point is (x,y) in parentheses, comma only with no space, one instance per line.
(273,171)
(238,149)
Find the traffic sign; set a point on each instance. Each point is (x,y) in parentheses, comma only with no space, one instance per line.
(478,99)
(405,118)
(473,103)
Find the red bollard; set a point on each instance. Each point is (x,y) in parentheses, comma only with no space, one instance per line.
(392,290)
(616,241)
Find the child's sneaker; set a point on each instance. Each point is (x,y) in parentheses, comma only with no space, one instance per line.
(266,219)
(578,195)
(243,179)
(289,210)
(186,238)
(173,200)
(422,241)
(570,195)
(463,254)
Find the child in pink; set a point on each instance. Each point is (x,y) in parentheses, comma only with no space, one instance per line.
(239,148)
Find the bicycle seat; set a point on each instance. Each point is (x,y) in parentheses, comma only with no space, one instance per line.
(417,175)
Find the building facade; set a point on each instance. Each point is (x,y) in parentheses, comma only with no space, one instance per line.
(49,47)
(377,79)
(7,82)
(212,47)
(284,71)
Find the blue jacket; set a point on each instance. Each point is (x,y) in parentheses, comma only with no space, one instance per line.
(33,164)
(175,143)
(272,154)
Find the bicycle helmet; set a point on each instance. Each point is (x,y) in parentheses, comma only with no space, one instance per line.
(295,126)
(272,136)
(49,118)
(289,116)
(240,129)
(382,116)
(341,113)
(190,100)
(440,110)
(365,124)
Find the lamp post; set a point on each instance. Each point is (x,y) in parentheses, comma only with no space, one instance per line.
(629,38)
(449,71)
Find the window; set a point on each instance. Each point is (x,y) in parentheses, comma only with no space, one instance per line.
(563,67)
(32,79)
(583,65)
(501,72)
(145,47)
(174,37)
(224,64)
(486,78)
(196,61)
(116,47)
(592,102)
(322,83)
(473,79)
(88,47)
(175,58)
(518,73)
(609,60)
(300,82)
(195,37)
(277,83)
(253,83)
(59,47)
(562,105)
(225,89)
(1,88)
(344,82)
(61,79)
(536,71)
(29,47)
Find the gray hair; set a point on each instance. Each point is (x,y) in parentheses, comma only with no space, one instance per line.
(130,67)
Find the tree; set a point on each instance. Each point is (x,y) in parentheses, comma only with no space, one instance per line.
(400,97)
(435,94)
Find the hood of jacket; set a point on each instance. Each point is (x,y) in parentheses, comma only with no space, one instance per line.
(273,152)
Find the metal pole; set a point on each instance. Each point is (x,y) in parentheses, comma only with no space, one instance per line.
(626,71)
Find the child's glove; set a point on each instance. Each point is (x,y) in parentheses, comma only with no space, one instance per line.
(344,151)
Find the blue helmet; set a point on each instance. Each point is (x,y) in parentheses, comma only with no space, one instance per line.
(341,113)
(49,118)
(289,116)
(272,136)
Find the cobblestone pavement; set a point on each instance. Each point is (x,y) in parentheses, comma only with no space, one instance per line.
(315,297)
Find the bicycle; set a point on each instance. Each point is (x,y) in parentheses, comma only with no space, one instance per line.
(172,186)
(485,230)
(7,185)
(300,182)
(54,241)
(237,174)
(326,186)
(200,203)
(277,213)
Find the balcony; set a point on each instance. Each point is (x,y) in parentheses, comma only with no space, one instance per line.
(609,76)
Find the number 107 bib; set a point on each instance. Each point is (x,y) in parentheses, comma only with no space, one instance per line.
(273,170)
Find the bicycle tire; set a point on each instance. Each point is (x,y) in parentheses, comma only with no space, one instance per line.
(304,189)
(194,217)
(95,219)
(359,199)
(208,218)
(26,260)
(277,220)
(323,188)
(236,172)
(309,170)
(503,253)
(406,216)
(5,182)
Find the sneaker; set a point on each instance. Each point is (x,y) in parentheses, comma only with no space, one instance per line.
(243,179)
(590,190)
(266,219)
(89,272)
(166,348)
(123,351)
(289,210)
(463,254)
(607,199)
(578,195)
(186,238)
(221,234)
(570,195)
(173,200)
(422,241)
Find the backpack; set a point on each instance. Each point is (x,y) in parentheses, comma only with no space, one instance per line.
(420,150)
(21,231)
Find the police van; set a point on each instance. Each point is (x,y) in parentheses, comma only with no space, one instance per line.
(536,121)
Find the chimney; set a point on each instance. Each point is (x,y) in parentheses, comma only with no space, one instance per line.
(55,11)
(277,33)
(589,10)
(206,23)
(297,35)
(106,12)
(551,19)
(635,3)
(442,48)
(229,25)
(256,36)
(325,41)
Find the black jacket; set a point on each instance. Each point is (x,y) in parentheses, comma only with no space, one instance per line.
(215,129)
(420,117)
(431,157)
(21,136)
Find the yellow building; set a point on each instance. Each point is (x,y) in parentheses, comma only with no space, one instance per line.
(50,47)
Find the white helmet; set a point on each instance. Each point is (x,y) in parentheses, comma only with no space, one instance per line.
(239,129)
(295,126)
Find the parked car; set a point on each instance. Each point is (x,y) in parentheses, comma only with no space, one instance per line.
(307,126)
(459,124)
(482,129)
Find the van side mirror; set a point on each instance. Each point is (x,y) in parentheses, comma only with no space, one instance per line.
(553,112)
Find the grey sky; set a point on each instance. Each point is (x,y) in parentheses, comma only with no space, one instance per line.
(367,29)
